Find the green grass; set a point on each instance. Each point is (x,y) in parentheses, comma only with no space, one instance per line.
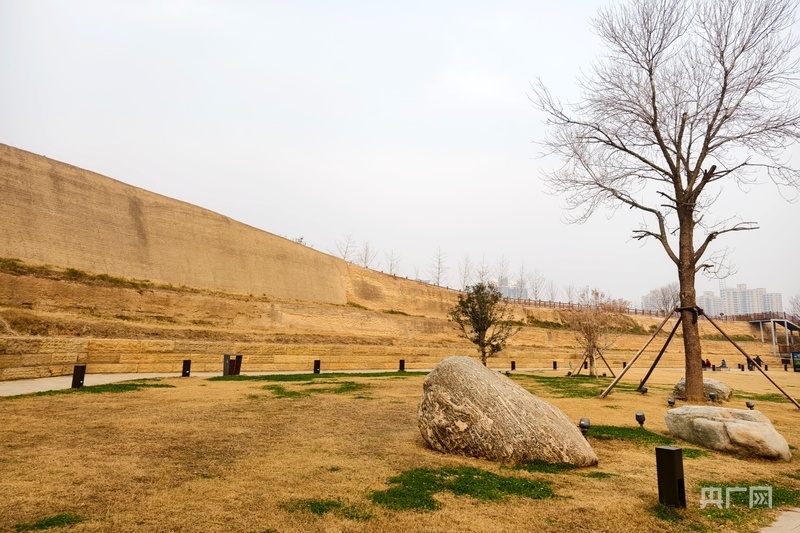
(342,387)
(768,397)
(395,312)
(666,513)
(414,489)
(545,467)
(308,377)
(110,388)
(545,324)
(694,453)
(718,337)
(357,306)
(573,386)
(637,435)
(322,507)
(739,512)
(59,520)
(599,475)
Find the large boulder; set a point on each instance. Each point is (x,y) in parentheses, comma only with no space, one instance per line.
(722,390)
(739,431)
(467,409)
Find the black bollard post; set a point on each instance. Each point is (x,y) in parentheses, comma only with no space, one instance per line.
(187,367)
(316,366)
(226,364)
(238,368)
(585,365)
(78,373)
(671,485)
(513,365)
(402,365)
(624,364)
(785,368)
(766,367)
(555,365)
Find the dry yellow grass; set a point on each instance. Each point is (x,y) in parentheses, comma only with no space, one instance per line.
(229,456)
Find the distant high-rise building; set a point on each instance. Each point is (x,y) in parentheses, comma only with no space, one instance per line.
(730,302)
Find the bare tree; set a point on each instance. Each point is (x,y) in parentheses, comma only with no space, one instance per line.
(536,282)
(437,269)
(570,291)
(521,282)
(346,247)
(483,271)
(501,271)
(367,255)
(593,324)
(691,96)
(392,263)
(794,305)
(551,291)
(667,297)
(465,268)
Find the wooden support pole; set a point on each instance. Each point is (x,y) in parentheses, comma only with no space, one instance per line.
(750,361)
(635,357)
(658,357)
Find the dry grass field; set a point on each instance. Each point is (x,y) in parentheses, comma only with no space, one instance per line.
(192,454)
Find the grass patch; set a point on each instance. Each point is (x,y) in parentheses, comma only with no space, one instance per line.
(739,511)
(308,377)
(342,387)
(545,467)
(322,507)
(768,397)
(718,337)
(357,306)
(110,388)
(694,453)
(638,435)
(666,513)
(59,520)
(599,475)
(575,386)
(545,324)
(414,489)
(395,312)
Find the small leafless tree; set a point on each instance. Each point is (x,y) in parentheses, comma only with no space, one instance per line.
(551,291)
(521,282)
(346,247)
(794,305)
(501,271)
(367,255)
(690,97)
(392,263)
(437,269)
(593,323)
(570,291)
(483,271)
(667,297)
(536,282)
(465,272)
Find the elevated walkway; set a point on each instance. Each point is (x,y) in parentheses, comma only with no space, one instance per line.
(790,327)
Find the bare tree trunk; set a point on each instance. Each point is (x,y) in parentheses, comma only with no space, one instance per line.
(691,329)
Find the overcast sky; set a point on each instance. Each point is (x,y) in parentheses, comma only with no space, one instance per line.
(405,124)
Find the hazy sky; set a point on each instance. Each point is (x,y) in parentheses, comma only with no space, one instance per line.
(406,124)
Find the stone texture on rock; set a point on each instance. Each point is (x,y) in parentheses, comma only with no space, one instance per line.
(739,431)
(467,409)
(722,390)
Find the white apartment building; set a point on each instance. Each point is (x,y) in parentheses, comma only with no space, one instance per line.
(738,301)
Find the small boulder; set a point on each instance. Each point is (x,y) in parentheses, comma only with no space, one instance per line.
(722,390)
(467,409)
(739,431)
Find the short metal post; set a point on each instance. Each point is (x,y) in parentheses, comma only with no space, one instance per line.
(402,365)
(78,373)
(238,367)
(555,365)
(226,364)
(624,364)
(187,368)
(713,368)
(671,485)
(766,367)
(316,366)
(513,365)
(585,365)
